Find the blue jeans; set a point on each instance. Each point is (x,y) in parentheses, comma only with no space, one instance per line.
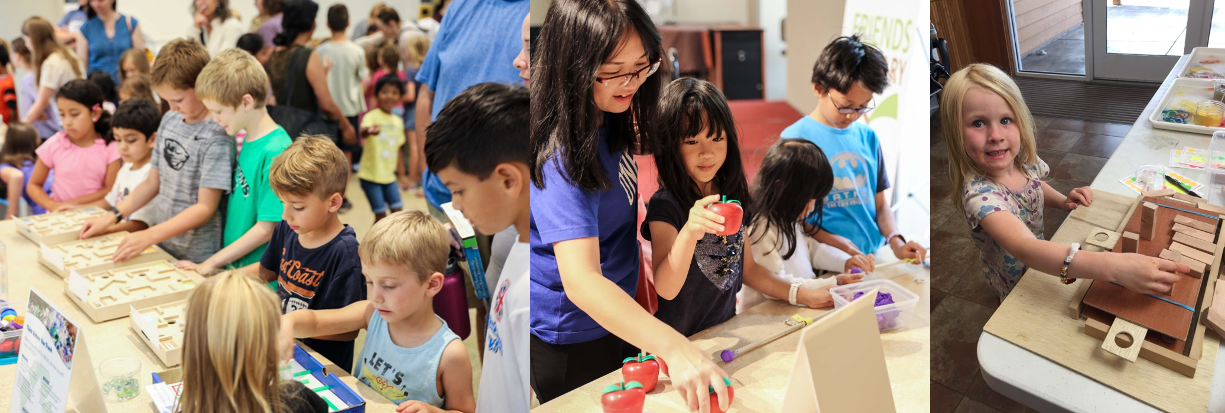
(382,195)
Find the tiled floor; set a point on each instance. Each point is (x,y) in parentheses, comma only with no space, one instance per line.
(961,300)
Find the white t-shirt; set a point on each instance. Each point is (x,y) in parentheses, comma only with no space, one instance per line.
(125,183)
(504,374)
(56,72)
(809,254)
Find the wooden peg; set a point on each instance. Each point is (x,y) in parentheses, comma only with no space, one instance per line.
(1131,241)
(1124,339)
(1148,218)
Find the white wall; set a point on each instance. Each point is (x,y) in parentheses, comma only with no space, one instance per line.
(771,14)
(14,12)
(811,24)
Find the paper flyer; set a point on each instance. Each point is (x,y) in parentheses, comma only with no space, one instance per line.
(44,365)
(1196,186)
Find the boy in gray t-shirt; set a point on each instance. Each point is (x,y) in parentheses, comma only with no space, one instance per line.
(192,161)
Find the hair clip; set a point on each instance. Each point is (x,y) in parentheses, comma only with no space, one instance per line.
(96,106)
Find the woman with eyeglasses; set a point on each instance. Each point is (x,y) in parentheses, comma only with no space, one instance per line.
(593,107)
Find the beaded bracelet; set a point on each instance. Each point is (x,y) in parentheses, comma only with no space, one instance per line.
(1063,274)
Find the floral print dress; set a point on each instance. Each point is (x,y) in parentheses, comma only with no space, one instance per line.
(984,196)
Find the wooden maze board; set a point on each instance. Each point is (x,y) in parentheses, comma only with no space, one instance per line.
(107,295)
(169,321)
(1150,312)
(94,254)
(1182,354)
(56,227)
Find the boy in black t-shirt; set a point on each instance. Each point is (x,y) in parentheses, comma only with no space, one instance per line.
(312,256)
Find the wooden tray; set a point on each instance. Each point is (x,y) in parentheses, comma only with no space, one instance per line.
(107,295)
(57,227)
(167,323)
(93,255)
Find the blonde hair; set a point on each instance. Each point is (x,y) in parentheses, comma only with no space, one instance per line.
(137,56)
(43,44)
(137,87)
(179,63)
(311,165)
(417,47)
(232,74)
(230,347)
(994,80)
(410,239)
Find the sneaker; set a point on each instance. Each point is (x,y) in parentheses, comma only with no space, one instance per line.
(345,206)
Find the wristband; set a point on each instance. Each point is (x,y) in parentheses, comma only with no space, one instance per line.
(1063,274)
(795,287)
(894,234)
(118,215)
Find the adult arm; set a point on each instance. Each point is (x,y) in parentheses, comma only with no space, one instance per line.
(317,78)
(82,47)
(138,38)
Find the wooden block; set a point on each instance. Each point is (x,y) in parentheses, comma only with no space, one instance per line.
(1197,268)
(1197,224)
(1183,203)
(1171,360)
(1171,255)
(1197,243)
(1124,339)
(1193,232)
(1131,241)
(1103,238)
(1206,206)
(1186,197)
(1159,193)
(1147,218)
(1077,304)
(1214,318)
(1191,252)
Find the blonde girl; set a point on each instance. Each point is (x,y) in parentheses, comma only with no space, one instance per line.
(230,352)
(997,177)
(54,65)
(415,49)
(133,62)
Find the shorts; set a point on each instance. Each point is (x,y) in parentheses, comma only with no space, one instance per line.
(355,149)
(382,195)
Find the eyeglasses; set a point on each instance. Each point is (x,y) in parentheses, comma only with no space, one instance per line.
(850,110)
(625,79)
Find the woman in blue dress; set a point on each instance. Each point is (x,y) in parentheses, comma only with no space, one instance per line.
(105,36)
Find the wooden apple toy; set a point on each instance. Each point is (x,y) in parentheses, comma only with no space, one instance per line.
(643,369)
(714,397)
(624,398)
(731,212)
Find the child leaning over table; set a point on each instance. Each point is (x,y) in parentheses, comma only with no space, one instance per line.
(410,355)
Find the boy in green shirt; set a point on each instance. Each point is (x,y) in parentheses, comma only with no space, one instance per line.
(233,88)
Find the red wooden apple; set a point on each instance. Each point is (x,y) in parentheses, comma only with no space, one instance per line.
(714,397)
(731,212)
(624,398)
(643,369)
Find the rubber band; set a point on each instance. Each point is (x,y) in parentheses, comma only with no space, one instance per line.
(1187,307)
(1183,210)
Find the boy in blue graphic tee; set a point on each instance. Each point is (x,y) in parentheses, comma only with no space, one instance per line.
(856,220)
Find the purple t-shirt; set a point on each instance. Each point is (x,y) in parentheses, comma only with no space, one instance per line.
(270,29)
(27,170)
(562,212)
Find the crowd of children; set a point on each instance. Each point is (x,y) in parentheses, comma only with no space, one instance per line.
(215,181)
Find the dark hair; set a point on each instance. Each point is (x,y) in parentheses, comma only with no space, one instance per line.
(21,49)
(580,35)
(298,17)
(19,144)
(690,106)
(105,83)
(140,115)
(338,17)
(252,43)
(371,29)
(89,11)
(87,94)
(480,128)
(793,172)
(273,7)
(389,15)
(389,79)
(847,60)
(4,54)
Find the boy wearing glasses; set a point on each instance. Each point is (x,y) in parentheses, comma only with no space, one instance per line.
(857,220)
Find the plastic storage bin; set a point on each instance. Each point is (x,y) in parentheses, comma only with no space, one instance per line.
(888,316)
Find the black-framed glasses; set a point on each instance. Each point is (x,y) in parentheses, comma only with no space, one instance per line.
(850,110)
(625,79)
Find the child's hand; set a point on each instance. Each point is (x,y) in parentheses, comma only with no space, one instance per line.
(693,373)
(701,220)
(203,268)
(844,279)
(1146,275)
(816,298)
(132,245)
(865,263)
(64,207)
(910,250)
(1082,196)
(416,406)
(96,226)
(370,130)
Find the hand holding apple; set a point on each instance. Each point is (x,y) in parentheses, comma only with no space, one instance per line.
(703,221)
(732,213)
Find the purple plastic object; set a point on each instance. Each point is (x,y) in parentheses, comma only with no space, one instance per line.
(856,270)
(727,356)
(451,303)
(886,320)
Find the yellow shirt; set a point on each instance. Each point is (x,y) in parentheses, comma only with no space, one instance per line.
(378,163)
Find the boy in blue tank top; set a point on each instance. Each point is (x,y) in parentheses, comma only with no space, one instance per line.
(856,219)
(410,356)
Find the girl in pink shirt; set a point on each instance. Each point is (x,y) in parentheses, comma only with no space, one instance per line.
(83,154)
